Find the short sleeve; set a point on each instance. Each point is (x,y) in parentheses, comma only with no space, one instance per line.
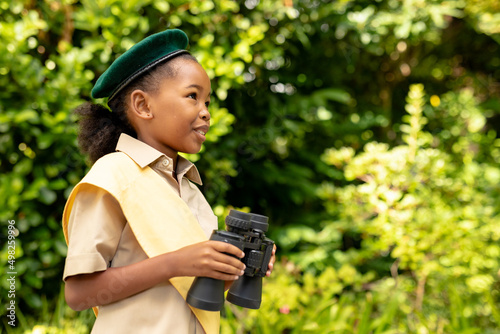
(94,230)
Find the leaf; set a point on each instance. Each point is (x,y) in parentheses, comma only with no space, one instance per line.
(47,196)
(28,115)
(330,94)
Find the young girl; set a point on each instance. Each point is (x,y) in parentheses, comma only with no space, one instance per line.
(137,227)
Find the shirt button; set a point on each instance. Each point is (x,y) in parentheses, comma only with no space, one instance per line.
(165,162)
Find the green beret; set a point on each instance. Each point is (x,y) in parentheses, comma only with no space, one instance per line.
(141,57)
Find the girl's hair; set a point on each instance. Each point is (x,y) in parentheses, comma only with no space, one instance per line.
(100,128)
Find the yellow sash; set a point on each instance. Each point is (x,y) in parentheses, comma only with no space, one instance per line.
(161,221)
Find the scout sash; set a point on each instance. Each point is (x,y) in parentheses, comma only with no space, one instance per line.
(161,221)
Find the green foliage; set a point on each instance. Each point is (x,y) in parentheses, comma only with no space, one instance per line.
(382,197)
(333,302)
(432,221)
(431,211)
(414,201)
(39,158)
(54,320)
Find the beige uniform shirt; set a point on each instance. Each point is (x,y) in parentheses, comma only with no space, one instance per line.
(100,237)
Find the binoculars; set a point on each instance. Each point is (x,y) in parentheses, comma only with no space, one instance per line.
(245,231)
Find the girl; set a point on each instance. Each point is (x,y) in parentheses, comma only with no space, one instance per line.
(136,225)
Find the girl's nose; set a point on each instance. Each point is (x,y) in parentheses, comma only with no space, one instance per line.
(205,114)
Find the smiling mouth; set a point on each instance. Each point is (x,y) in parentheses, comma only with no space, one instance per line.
(202,130)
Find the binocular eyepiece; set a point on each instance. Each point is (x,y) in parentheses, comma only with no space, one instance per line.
(245,231)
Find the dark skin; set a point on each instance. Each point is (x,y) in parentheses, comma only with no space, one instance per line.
(174,119)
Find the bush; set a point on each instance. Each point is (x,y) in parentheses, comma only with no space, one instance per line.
(423,249)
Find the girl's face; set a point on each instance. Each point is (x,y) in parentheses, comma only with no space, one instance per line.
(179,109)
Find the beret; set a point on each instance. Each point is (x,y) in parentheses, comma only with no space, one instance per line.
(141,57)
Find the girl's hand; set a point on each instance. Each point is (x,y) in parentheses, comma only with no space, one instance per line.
(271,262)
(214,259)
(228,284)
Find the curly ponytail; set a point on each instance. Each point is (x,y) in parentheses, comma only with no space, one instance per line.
(99,129)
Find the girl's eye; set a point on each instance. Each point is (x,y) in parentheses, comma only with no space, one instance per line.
(207,103)
(192,96)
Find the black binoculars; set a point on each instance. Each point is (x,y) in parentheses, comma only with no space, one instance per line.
(245,231)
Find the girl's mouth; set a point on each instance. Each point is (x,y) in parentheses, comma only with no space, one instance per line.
(202,131)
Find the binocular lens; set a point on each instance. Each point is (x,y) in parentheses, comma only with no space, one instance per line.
(246,292)
(207,294)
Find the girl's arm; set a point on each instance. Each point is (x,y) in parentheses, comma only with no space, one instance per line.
(208,259)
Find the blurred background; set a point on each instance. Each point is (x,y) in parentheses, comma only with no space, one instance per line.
(366,130)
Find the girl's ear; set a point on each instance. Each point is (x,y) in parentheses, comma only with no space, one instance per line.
(139,104)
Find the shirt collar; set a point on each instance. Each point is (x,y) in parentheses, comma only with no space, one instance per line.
(144,155)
